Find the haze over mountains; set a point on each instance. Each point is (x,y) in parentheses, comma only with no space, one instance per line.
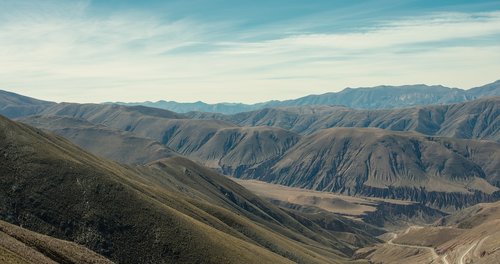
(160,198)
(379,97)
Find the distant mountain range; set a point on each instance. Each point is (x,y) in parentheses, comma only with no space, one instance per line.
(379,97)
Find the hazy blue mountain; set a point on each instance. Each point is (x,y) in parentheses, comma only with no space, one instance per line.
(379,97)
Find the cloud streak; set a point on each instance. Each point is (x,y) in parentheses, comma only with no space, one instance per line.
(66,53)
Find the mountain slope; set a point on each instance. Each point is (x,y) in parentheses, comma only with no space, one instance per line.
(52,187)
(171,211)
(216,191)
(152,123)
(259,152)
(322,207)
(402,165)
(476,119)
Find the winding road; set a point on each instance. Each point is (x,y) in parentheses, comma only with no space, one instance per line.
(461,259)
(476,245)
(431,249)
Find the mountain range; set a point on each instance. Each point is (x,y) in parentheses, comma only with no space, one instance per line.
(443,156)
(379,97)
(135,184)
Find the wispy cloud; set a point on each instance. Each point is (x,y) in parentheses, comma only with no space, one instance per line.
(64,52)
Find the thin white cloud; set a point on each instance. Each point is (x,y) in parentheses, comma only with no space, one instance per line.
(439,27)
(64,53)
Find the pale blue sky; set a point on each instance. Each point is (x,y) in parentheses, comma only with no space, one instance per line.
(241,51)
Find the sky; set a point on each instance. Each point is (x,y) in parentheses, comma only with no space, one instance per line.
(241,51)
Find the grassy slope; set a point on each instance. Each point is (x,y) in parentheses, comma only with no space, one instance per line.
(53,187)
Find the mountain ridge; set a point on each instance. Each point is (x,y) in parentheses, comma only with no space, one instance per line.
(377,97)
